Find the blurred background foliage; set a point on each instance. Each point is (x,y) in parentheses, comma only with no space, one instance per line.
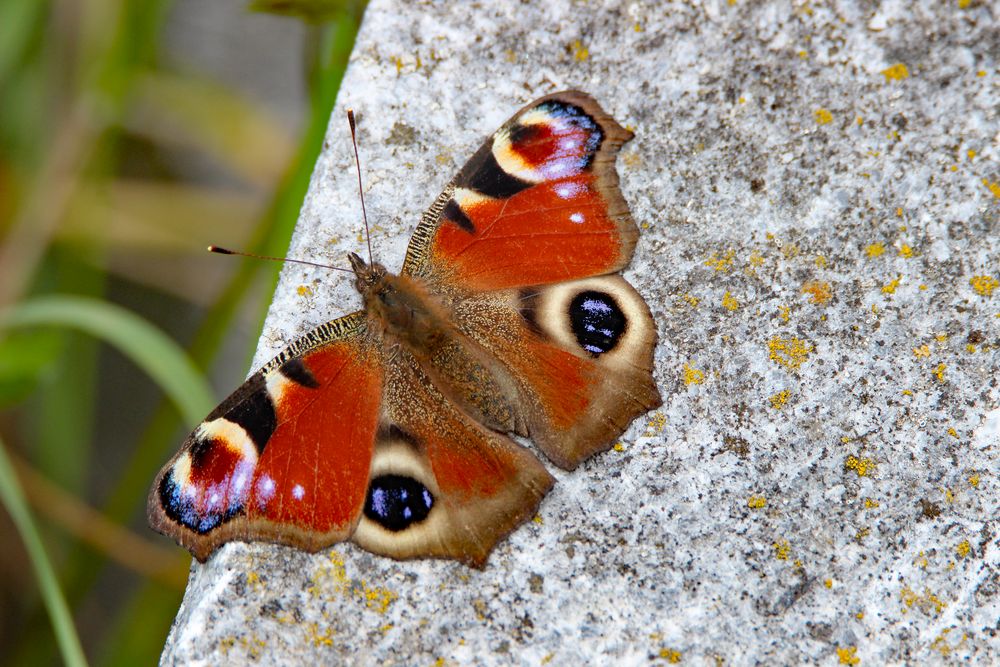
(133,133)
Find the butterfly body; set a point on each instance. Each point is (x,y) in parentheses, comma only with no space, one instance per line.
(387,426)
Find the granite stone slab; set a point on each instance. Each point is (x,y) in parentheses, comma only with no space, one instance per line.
(818,188)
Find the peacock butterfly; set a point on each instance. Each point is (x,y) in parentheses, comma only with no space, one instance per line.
(387,426)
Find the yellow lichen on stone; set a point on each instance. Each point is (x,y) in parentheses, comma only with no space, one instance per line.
(670,655)
(335,573)
(721,264)
(580,52)
(963,549)
(974,479)
(782,549)
(907,392)
(890,288)
(318,638)
(304,290)
(729,302)
(992,187)
(756,259)
(848,655)
(828,583)
(922,351)
(927,603)
(939,372)
(940,643)
(906,251)
(952,432)
(619,447)
(377,598)
(692,300)
(253,645)
(896,72)
(861,466)
(538,519)
(823,116)
(756,502)
(819,292)
(693,375)
(657,422)
(870,503)
(984,285)
(970,348)
(789,352)
(875,249)
(779,400)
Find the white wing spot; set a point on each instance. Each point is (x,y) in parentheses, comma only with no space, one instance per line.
(298,492)
(265,490)
(576,217)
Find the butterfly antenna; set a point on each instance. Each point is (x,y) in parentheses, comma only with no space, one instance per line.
(226,251)
(357,163)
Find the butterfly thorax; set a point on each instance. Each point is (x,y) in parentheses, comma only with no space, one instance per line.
(401,307)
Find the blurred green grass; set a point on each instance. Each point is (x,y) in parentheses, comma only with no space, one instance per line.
(99,215)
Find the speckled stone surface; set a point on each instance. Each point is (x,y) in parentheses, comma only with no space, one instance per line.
(818,186)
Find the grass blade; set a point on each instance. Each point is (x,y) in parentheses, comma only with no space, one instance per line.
(144,344)
(12,498)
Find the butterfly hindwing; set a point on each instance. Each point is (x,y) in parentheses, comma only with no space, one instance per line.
(582,354)
(442,484)
(538,203)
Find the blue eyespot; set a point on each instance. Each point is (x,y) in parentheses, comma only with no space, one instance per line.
(396,502)
(597,321)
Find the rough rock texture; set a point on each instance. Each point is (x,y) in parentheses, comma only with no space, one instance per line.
(818,186)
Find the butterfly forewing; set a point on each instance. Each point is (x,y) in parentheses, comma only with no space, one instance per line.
(286,458)
(538,203)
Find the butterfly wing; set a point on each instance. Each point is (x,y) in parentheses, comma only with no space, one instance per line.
(538,203)
(442,484)
(522,244)
(342,438)
(286,457)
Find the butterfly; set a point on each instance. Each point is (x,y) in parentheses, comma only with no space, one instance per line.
(390,426)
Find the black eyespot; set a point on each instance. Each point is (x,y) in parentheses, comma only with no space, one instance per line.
(396,502)
(597,321)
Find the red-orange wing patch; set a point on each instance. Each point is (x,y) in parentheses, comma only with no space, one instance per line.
(286,458)
(538,203)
